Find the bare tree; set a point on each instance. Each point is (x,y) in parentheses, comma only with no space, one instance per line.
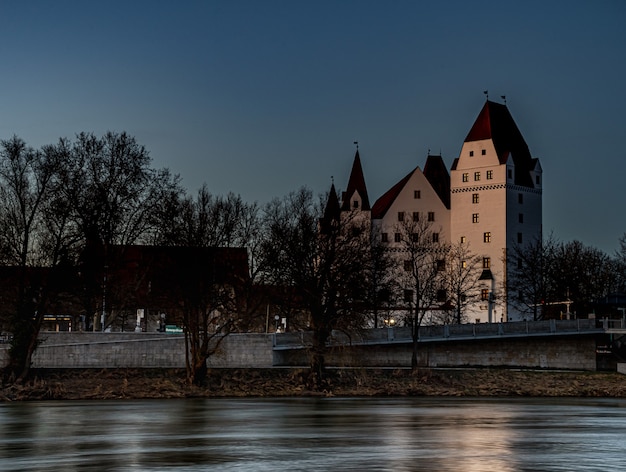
(25,182)
(323,259)
(422,256)
(461,280)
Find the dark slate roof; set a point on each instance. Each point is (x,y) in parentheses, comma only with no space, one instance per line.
(356,183)
(331,212)
(496,123)
(437,174)
(383,204)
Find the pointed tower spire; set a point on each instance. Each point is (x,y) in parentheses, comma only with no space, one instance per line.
(356,184)
(332,211)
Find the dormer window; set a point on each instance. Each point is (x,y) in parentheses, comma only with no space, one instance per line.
(355,204)
(538,179)
(510,173)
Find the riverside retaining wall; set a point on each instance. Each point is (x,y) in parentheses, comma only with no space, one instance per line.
(156,350)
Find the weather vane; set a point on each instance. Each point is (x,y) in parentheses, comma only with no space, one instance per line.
(503,98)
(357,145)
(486,92)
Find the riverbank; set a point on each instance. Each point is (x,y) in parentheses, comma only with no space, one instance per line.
(90,384)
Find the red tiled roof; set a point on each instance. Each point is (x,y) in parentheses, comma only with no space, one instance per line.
(496,123)
(383,204)
(356,183)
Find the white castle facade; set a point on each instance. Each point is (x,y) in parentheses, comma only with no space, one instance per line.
(490,201)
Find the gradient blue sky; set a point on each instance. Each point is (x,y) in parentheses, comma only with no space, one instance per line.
(261,97)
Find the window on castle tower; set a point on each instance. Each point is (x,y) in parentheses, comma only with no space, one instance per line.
(519,238)
(355,204)
(417,194)
(538,179)
(484,294)
(521,217)
(397,237)
(474,198)
(483,152)
(384,237)
(510,173)
(435,237)
(475,218)
(489,174)
(431,216)
(465,177)
(463,239)
(476,175)
(471,153)
(487,237)
(400,216)
(486,262)
(416,216)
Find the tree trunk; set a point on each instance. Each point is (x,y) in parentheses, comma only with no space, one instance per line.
(317,359)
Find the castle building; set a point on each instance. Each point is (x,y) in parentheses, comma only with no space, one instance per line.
(490,202)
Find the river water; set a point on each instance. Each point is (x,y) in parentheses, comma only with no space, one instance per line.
(314,434)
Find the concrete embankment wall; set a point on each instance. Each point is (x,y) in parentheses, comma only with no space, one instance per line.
(568,352)
(131,350)
(155,350)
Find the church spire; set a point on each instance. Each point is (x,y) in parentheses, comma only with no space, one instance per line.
(356,184)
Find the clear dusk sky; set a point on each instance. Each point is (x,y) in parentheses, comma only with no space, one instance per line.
(260,97)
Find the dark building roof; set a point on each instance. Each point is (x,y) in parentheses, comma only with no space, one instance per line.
(383,204)
(356,183)
(496,123)
(331,212)
(437,174)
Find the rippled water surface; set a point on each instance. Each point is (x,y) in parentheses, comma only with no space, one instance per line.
(408,434)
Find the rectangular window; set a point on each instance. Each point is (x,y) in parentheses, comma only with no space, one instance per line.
(463,239)
(509,173)
(489,174)
(521,217)
(475,218)
(519,238)
(431,216)
(415,237)
(520,198)
(416,216)
(474,198)
(476,176)
(442,296)
(397,238)
(538,179)
(435,237)
(484,294)
(355,204)
(520,264)
(483,152)
(487,237)
(471,153)
(486,262)
(384,237)
(465,177)
(400,216)
(408,266)
(417,194)
(464,264)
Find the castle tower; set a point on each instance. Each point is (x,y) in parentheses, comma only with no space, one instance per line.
(496,204)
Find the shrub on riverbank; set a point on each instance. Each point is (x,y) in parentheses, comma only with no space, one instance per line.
(152,383)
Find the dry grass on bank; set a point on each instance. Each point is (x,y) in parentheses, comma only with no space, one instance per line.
(143,384)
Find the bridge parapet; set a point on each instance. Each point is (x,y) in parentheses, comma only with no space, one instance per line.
(447,332)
